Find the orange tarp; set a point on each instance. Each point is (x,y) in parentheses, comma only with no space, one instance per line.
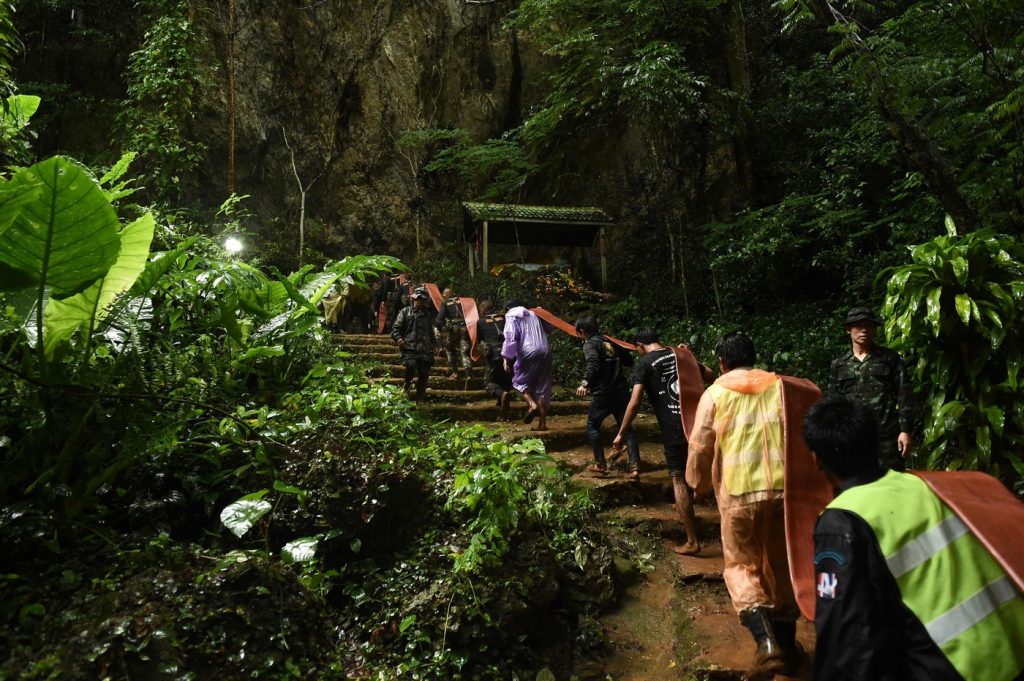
(806,488)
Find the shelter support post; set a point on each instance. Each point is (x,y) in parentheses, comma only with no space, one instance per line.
(472,265)
(604,262)
(486,265)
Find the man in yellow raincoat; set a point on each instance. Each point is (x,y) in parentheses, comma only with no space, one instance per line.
(737,447)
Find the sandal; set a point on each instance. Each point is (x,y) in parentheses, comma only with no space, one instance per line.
(634,476)
(530,416)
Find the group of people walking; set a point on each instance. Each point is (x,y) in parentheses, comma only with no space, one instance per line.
(904,588)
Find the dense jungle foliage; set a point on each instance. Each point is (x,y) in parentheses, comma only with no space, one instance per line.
(168,397)
(195,482)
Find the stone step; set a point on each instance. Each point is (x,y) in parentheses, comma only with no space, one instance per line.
(442,382)
(393,358)
(362,337)
(481,411)
(567,437)
(398,371)
(383,345)
(457,396)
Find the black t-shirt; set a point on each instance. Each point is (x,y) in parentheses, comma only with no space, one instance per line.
(656,371)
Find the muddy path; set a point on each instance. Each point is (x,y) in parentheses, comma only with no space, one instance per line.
(675,621)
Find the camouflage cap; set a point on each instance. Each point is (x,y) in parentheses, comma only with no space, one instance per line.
(861,314)
(419,292)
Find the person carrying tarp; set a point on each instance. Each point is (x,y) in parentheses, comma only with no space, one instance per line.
(656,374)
(452,322)
(392,294)
(604,378)
(414,333)
(527,356)
(910,587)
(738,446)
(489,334)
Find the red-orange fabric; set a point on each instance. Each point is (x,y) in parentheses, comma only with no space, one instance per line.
(568,328)
(995,516)
(382,311)
(470,314)
(435,295)
(807,491)
(691,386)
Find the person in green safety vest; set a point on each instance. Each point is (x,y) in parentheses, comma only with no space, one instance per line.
(905,590)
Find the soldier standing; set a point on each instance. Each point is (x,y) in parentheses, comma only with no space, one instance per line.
(876,376)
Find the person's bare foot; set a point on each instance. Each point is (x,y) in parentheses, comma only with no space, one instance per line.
(687,549)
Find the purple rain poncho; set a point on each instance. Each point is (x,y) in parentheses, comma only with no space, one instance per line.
(526,343)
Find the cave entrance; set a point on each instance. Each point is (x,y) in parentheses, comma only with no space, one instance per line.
(538,233)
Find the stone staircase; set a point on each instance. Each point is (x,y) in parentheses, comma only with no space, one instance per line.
(645,637)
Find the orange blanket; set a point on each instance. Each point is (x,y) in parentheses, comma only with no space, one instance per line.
(691,387)
(995,516)
(807,490)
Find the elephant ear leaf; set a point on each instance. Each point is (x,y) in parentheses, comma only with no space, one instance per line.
(63,317)
(12,198)
(66,239)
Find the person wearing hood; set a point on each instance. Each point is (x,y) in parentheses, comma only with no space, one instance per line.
(414,333)
(528,358)
(737,447)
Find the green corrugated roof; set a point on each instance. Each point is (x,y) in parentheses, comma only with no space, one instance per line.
(509,211)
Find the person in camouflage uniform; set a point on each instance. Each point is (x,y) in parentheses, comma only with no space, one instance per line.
(452,322)
(876,376)
(413,331)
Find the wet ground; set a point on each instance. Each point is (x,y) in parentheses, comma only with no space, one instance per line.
(677,621)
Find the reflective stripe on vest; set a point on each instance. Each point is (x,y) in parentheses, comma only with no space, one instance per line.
(749,436)
(968,605)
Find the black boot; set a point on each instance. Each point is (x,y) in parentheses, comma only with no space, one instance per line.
(768,658)
(792,652)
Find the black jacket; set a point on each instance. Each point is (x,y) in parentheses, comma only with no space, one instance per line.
(415,327)
(864,630)
(604,373)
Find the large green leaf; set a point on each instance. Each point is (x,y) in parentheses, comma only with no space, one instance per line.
(12,198)
(15,116)
(63,317)
(963,307)
(300,550)
(159,265)
(240,516)
(67,239)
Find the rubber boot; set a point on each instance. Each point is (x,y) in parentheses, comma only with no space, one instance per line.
(768,659)
(792,652)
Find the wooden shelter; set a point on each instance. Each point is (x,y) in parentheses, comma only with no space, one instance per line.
(505,223)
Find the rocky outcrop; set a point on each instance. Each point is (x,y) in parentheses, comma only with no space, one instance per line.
(343,82)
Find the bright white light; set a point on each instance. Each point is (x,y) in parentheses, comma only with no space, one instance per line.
(232,244)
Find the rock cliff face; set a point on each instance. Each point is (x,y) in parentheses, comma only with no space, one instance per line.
(335,84)
(342,81)
(339,83)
